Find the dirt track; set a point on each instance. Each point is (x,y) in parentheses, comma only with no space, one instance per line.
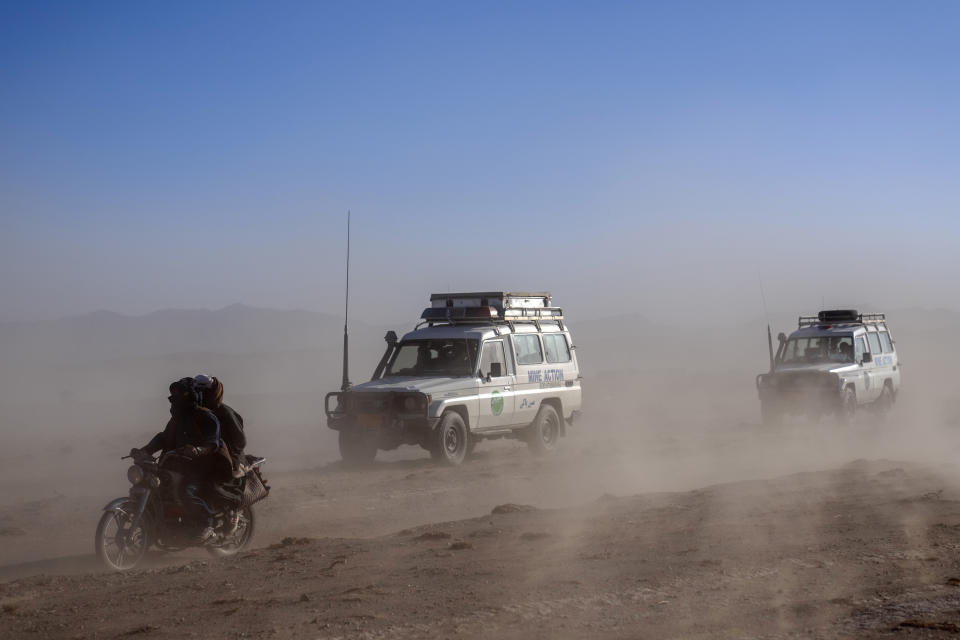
(854,549)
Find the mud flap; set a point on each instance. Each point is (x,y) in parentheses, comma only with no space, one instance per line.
(114,505)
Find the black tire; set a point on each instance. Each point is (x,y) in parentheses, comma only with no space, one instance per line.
(118,546)
(355,450)
(543,434)
(770,413)
(450,439)
(848,405)
(242,537)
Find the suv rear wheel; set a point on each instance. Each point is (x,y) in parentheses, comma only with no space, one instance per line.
(450,439)
(886,399)
(543,434)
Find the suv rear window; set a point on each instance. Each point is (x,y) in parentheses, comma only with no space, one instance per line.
(885,341)
(528,349)
(555,344)
(874,343)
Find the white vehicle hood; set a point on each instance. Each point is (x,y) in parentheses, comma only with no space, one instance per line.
(433,386)
(832,367)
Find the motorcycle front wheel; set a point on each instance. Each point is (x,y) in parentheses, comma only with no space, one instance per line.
(120,545)
(240,538)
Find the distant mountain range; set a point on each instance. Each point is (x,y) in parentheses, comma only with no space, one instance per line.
(112,360)
(236,329)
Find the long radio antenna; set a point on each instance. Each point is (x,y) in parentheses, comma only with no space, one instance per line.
(346,317)
(763,297)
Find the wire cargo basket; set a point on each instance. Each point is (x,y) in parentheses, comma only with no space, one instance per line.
(255,488)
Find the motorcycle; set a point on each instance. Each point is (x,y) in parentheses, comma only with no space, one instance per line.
(154,515)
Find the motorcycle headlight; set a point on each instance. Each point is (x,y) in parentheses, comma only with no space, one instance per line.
(135,474)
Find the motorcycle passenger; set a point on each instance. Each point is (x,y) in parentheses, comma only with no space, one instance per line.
(194,433)
(231,422)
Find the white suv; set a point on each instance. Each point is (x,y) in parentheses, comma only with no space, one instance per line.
(835,362)
(478,366)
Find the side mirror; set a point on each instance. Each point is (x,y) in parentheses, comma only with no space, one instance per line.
(867,357)
(496,370)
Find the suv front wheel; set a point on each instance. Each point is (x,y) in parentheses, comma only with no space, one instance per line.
(770,413)
(355,450)
(450,439)
(848,405)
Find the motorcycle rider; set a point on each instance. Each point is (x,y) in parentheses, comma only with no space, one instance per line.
(231,422)
(194,433)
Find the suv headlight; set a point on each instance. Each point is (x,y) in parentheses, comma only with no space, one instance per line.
(135,474)
(414,402)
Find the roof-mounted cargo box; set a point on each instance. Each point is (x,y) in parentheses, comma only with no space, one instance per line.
(490,307)
(841,316)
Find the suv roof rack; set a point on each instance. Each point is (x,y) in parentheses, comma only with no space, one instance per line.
(499,299)
(841,316)
(491,307)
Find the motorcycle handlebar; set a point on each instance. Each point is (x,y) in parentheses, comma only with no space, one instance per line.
(143,457)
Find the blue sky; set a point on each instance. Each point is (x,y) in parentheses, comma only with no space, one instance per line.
(195,155)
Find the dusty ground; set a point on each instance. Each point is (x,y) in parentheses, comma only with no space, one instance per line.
(734,532)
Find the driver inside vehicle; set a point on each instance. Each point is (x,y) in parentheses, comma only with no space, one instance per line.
(841,349)
(845,351)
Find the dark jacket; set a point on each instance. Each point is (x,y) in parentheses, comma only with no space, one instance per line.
(231,423)
(199,428)
(231,429)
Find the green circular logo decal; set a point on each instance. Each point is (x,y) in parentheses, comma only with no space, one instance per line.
(496,403)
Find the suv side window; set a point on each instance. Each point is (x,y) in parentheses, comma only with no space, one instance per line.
(861,348)
(885,341)
(492,352)
(528,349)
(874,343)
(555,344)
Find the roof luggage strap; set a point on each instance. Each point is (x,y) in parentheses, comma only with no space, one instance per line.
(490,315)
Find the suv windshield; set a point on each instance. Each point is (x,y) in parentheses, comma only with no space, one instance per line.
(432,358)
(818,350)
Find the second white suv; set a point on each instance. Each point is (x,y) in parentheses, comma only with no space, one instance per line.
(835,362)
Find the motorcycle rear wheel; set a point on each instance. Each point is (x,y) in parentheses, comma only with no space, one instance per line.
(241,537)
(119,546)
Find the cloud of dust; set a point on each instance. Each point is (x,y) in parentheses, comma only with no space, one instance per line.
(677,410)
(666,408)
